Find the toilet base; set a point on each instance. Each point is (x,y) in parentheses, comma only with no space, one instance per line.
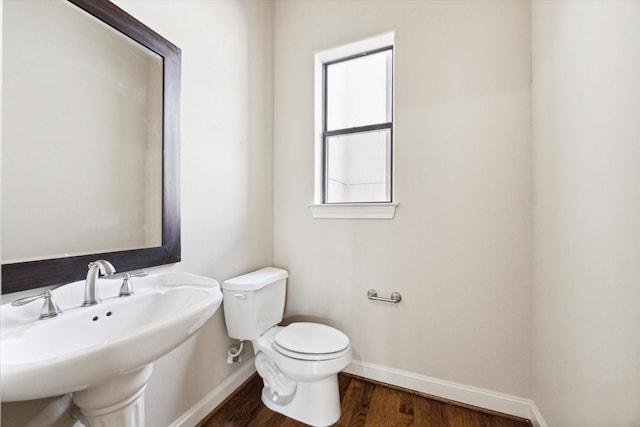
(315,403)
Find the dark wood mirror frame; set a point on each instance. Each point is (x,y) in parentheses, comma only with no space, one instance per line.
(35,274)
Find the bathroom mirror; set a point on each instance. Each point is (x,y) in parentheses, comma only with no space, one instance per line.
(90,142)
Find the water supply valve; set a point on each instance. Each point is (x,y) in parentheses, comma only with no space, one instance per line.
(233,354)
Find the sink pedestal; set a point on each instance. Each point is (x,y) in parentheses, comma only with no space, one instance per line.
(118,401)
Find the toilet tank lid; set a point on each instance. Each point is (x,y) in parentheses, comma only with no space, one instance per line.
(255,280)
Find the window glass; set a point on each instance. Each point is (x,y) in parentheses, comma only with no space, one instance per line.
(357,167)
(358,91)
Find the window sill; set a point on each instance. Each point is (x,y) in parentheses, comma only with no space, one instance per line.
(353,210)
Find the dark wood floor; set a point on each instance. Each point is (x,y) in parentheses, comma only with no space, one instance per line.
(363,403)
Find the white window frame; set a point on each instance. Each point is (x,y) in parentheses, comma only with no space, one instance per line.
(319,209)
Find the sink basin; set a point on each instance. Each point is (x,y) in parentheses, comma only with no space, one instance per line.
(87,347)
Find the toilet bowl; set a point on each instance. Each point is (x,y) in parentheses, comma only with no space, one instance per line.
(303,366)
(298,363)
(307,389)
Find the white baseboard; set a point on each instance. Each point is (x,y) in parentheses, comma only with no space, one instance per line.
(197,412)
(536,416)
(469,395)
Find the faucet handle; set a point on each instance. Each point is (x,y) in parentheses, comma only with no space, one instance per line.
(127,289)
(49,308)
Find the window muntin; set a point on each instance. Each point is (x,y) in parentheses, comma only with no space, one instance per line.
(358,128)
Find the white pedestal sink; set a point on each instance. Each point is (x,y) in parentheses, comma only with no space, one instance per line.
(116,402)
(103,354)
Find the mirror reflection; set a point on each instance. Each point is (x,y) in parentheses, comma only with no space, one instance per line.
(82,135)
(91,142)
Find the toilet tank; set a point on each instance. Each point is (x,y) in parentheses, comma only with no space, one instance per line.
(254,302)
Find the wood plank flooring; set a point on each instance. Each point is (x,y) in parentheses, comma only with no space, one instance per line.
(364,404)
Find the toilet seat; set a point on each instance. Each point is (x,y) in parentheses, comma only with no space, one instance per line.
(311,341)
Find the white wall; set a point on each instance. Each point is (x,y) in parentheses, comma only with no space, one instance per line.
(586,269)
(459,248)
(226,182)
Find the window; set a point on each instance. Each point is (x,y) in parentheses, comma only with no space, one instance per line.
(354,145)
(358,128)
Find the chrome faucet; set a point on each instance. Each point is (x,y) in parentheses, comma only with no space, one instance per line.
(91,296)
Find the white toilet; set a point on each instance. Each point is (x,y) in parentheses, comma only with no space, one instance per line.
(299,363)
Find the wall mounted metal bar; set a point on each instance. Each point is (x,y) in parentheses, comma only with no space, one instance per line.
(395,298)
